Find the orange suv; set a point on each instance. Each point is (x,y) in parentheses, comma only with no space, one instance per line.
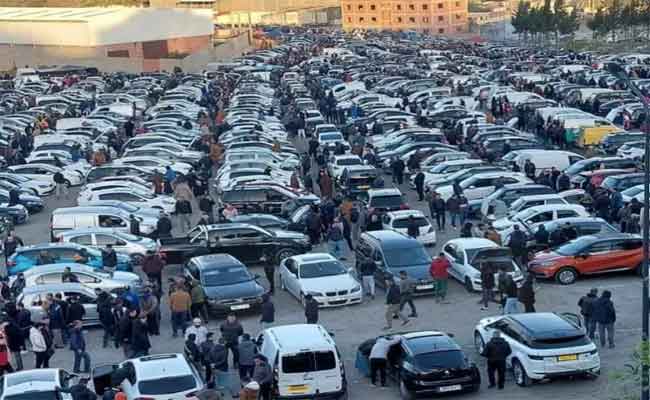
(592,254)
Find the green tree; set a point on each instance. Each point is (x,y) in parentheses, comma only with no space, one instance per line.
(625,384)
(597,23)
(521,19)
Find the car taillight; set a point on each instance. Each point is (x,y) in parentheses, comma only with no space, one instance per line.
(404,206)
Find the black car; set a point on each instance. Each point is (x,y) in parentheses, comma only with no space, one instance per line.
(32,203)
(266,221)
(250,244)
(228,284)
(428,363)
(15,214)
(265,199)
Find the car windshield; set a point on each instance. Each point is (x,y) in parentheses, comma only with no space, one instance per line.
(46,395)
(167,385)
(321,269)
(386,201)
(407,257)
(403,223)
(577,167)
(440,359)
(633,191)
(223,276)
(573,247)
(349,161)
(331,136)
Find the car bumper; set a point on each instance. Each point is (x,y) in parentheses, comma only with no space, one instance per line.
(316,396)
(559,370)
(428,239)
(338,301)
(543,273)
(235,306)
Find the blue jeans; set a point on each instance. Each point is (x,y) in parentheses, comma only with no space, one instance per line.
(512,306)
(335,248)
(78,356)
(453,216)
(179,321)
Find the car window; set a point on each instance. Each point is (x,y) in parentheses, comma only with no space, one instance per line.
(193,270)
(83,239)
(103,240)
(600,247)
(250,234)
(83,298)
(622,245)
(566,213)
(56,277)
(541,217)
(111,221)
(85,278)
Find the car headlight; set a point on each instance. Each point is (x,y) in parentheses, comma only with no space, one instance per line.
(409,367)
(545,264)
(315,294)
(356,289)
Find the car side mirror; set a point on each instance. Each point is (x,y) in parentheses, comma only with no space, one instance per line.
(256,276)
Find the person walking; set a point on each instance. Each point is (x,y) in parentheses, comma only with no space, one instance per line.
(335,239)
(263,375)
(15,341)
(124,331)
(367,271)
(311,309)
(496,351)
(604,314)
(378,358)
(150,307)
(152,266)
(180,303)
(199,306)
(207,351)
(60,185)
(412,228)
(438,210)
(393,298)
(105,313)
(407,288)
(231,329)
(163,226)
(439,271)
(419,184)
(453,206)
(11,243)
(206,205)
(586,304)
(268,312)
(527,294)
(184,212)
(517,244)
(247,351)
(487,285)
(140,343)
(78,346)
(109,258)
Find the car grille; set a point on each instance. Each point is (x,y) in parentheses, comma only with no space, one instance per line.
(339,293)
(337,302)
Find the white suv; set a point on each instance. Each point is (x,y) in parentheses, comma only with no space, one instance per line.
(544,345)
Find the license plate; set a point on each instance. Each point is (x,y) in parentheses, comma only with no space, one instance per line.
(240,307)
(568,357)
(297,389)
(452,388)
(424,287)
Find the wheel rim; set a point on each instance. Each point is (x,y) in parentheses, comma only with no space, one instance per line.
(478,343)
(519,374)
(566,276)
(137,259)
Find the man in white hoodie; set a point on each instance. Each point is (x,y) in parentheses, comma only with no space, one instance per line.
(200,331)
(38,336)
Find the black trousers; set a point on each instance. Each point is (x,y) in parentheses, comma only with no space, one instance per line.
(441,219)
(378,364)
(42,359)
(407,300)
(265,391)
(269,271)
(420,191)
(234,347)
(500,368)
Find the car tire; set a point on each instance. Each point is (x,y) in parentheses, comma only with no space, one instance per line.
(519,373)
(404,393)
(468,285)
(479,343)
(566,275)
(282,285)
(285,253)
(67,183)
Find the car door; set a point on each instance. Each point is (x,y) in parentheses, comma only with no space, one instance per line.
(291,278)
(381,273)
(252,244)
(451,253)
(274,202)
(595,258)
(626,253)
(84,240)
(103,239)
(481,188)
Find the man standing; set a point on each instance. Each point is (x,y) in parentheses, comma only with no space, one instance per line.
(439,271)
(605,315)
(247,351)
(311,309)
(263,374)
(231,330)
(135,225)
(438,210)
(78,346)
(367,270)
(406,288)
(11,243)
(163,226)
(109,258)
(140,337)
(393,298)
(517,244)
(150,308)
(199,331)
(268,312)
(206,205)
(398,170)
(586,304)
(496,351)
(60,185)
(412,228)
(419,184)
(152,266)
(487,285)
(378,356)
(180,303)
(184,212)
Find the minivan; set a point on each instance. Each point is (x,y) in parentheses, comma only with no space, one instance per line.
(64,219)
(305,360)
(546,159)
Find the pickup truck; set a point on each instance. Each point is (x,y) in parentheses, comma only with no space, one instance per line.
(250,244)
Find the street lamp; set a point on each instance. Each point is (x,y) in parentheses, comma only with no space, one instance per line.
(618,71)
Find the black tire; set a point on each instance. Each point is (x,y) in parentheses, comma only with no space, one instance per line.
(468,285)
(519,373)
(284,253)
(67,183)
(137,259)
(566,276)
(404,393)
(479,343)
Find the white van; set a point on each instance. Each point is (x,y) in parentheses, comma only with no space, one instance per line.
(546,159)
(305,361)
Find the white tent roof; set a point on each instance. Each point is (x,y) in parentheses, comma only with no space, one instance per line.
(99,26)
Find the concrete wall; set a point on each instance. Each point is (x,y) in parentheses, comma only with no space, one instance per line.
(20,56)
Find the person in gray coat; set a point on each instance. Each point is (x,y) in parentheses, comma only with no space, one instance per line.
(247,352)
(263,375)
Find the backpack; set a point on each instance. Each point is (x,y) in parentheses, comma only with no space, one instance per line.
(354,215)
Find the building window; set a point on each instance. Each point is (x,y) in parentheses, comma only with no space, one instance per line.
(425,6)
(349,7)
(399,6)
(412,6)
(441,5)
(458,16)
(412,19)
(372,7)
(361,19)
(374,19)
(441,31)
(118,53)
(350,19)
(458,4)
(360,6)
(425,20)
(441,18)
(399,19)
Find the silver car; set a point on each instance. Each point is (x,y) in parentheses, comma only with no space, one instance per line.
(93,278)
(34,296)
(134,246)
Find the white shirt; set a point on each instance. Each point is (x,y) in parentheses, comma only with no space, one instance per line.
(382,346)
(201,333)
(37,340)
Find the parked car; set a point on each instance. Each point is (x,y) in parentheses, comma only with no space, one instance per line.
(34,296)
(42,384)
(50,274)
(135,247)
(399,220)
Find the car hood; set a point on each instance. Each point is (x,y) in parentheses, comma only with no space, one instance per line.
(328,283)
(30,198)
(491,254)
(417,272)
(244,289)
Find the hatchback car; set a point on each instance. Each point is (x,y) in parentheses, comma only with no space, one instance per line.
(399,220)
(544,345)
(591,254)
(228,284)
(321,275)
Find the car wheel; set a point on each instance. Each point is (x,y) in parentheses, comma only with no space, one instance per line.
(521,378)
(67,183)
(468,285)
(566,275)
(137,259)
(282,285)
(285,253)
(404,392)
(439,124)
(479,343)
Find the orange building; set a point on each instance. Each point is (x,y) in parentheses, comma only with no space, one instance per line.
(443,17)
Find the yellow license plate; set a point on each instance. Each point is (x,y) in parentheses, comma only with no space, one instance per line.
(297,389)
(568,357)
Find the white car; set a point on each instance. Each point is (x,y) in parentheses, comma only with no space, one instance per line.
(338,163)
(158,377)
(544,345)
(482,185)
(36,384)
(137,198)
(525,202)
(467,255)
(535,215)
(321,275)
(154,164)
(45,172)
(40,188)
(444,169)
(398,221)
(88,276)
(330,139)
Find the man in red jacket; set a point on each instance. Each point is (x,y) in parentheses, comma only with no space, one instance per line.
(439,272)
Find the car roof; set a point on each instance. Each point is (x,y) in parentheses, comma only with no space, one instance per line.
(313,258)
(473,243)
(161,365)
(300,337)
(404,214)
(545,324)
(215,261)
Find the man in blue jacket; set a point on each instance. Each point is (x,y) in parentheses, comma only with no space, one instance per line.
(78,346)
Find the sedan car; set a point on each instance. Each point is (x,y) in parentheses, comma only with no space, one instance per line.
(338,163)
(42,384)
(88,276)
(139,198)
(228,284)
(428,363)
(45,172)
(399,220)
(468,257)
(34,296)
(321,275)
(134,246)
(592,254)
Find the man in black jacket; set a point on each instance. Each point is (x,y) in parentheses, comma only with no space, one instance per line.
(367,270)
(105,311)
(135,225)
(140,343)
(586,304)
(15,342)
(163,226)
(311,309)
(517,244)
(11,243)
(393,298)
(125,332)
(496,351)
(206,205)
(109,258)
(419,184)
